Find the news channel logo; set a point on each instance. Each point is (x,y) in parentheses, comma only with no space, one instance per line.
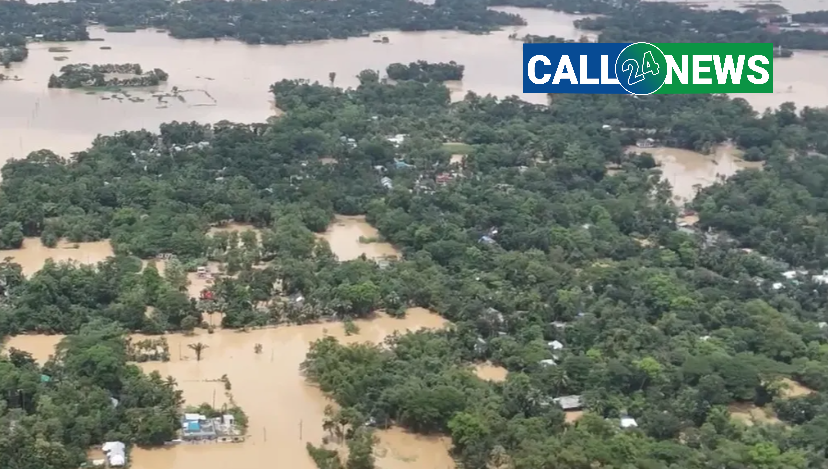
(642,68)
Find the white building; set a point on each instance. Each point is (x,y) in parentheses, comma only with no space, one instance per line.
(628,422)
(555,345)
(115,453)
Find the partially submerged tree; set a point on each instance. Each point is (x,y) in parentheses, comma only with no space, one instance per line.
(198,348)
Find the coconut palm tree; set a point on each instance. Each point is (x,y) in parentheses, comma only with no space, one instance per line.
(559,380)
(198,348)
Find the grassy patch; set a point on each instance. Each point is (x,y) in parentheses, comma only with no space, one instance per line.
(457,147)
(121,29)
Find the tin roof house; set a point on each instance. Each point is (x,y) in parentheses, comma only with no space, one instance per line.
(569,402)
(115,453)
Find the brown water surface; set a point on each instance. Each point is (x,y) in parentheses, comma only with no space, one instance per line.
(793,82)
(688,171)
(344,237)
(40,346)
(285,411)
(490,372)
(33,254)
(233,84)
(236,77)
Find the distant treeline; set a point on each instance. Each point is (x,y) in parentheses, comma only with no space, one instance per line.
(812,17)
(425,72)
(634,20)
(281,22)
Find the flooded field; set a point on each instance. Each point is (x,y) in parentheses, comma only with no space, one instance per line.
(687,171)
(793,6)
(344,236)
(40,346)
(490,372)
(35,117)
(33,253)
(285,411)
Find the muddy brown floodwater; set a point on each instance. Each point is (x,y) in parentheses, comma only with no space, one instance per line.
(238,76)
(344,237)
(285,411)
(687,170)
(490,372)
(33,253)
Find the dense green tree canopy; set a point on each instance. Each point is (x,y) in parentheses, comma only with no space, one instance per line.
(532,240)
(86,395)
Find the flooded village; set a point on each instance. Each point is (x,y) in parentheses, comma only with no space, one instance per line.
(238,92)
(285,410)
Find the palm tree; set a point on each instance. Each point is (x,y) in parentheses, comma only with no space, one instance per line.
(332,77)
(198,348)
(559,380)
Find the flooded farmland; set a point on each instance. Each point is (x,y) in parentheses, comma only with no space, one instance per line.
(37,117)
(351,237)
(490,372)
(687,171)
(285,411)
(33,254)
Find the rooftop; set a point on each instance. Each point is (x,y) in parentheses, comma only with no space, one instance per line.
(568,402)
(555,345)
(115,453)
(628,422)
